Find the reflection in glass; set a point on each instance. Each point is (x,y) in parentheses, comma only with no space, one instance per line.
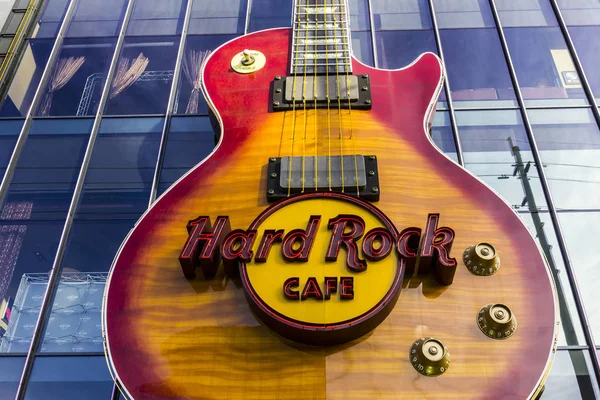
(48,24)
(441,134)
(541,227)
(569,143)
(401,14)
(189,99)
(581,230)
(69,378)
(190,140)
(48,167)
(218,16)
(526,13)
(266,14)
(476,68)
(27,77)
(588,52)
(570,377)
(362,47)
(495,148)
(10,375)
(461,14)
(157,17)
(142,81)
(97,18)
(77,79)
(9,132)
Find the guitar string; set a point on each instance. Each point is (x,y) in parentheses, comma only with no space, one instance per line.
(305,62)
(347,49)
(327,97)
(294,68)
(339,96)
(315,67)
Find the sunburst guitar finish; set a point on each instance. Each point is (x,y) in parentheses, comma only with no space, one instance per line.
(168,337)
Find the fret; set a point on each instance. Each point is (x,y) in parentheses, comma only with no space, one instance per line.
(321,37)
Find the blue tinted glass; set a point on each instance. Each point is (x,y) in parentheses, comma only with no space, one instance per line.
(580,12)
(441,133)
(10,374)
(265,14)
(48,167)
(397,49)
(544,66)
(9,132)
(359,15)
(27,78)
(570,377)
(29,248)
(362,47)
(461,14)
(50,19)
(526,13)
(97,18)
(74,323)
(76,83)
(157,17)
(190,99)
(401,14)
(218,16)
(121,170)
(142,82)
(190,140)
(569,143)
(476,68)
(588,52)
(69,378)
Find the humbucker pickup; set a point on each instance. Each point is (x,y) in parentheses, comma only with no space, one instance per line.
(355,175)
(333,91)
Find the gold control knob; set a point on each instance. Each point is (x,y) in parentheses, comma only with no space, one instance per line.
(247,58)
(497,321)
(429,356)
(481,259)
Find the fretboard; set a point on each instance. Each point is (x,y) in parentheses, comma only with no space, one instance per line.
(321,37)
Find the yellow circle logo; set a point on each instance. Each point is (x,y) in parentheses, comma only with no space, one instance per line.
(324,269)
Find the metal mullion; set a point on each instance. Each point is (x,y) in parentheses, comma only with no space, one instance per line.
(438,42)
(172,95)
(373,38)
(37,98)
(56,265)
(247,24)
(548,196)
(576,60)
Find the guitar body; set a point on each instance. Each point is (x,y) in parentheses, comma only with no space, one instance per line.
(174,338)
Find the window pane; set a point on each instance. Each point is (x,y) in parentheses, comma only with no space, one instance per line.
(50,19)
(10,375)
(362,47)
(412,43)
(9,132)
(157,17)
(189,99)
(401,14)
(48,167)
(570,377)
(476,68)
(580,12)
(121,170)
(190,140)
(441,134)
(76,83)
(142,82)
(588,52)
(581,229)
(463,14)
(544,66)
(69,378)
(218,16)
(97,18)
(569,143)
(265,14)
(526,13)
(493,144)
(359,14)
(26,79)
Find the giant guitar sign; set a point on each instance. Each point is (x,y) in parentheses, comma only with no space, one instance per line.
(326,249)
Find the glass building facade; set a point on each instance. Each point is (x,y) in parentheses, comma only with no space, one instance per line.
(83,156)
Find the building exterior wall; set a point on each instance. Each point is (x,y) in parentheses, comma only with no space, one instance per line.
(81,164)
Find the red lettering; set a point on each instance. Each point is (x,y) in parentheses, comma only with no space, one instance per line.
(382,236)
(330,286)
(306,239)
(312,289)
(287,288)
(340,237)
(346,288)
(237,246)
(269,238)
(407,247)
(437,243)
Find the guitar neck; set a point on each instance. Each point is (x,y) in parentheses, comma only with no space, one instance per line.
(321,40)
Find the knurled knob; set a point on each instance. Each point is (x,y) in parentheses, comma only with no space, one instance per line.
(497,321)
(481,259)
(429,356)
